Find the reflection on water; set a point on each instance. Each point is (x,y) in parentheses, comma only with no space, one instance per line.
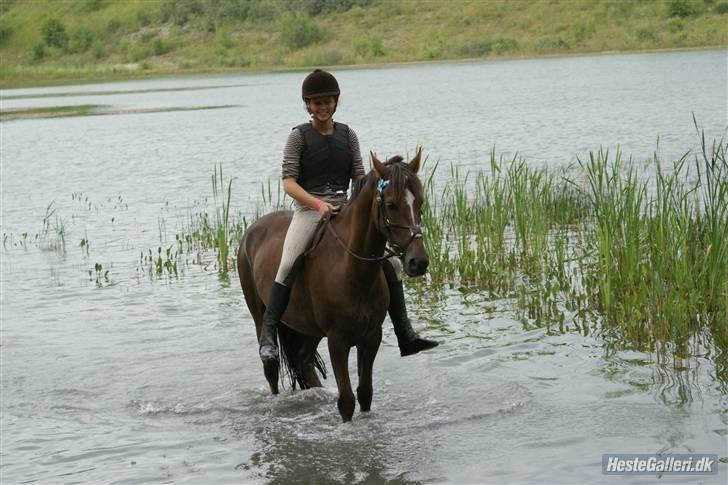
(137,379)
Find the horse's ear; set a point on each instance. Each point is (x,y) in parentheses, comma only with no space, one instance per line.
(382,170)
(415,162)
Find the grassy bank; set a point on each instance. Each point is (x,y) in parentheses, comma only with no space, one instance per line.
(73,40)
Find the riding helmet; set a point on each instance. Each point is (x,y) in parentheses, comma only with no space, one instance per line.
(319,83)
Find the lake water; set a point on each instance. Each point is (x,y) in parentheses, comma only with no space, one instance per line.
(138,379)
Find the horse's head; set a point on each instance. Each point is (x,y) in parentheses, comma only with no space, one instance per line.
(399,207)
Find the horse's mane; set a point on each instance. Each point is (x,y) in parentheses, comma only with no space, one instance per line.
(400,172)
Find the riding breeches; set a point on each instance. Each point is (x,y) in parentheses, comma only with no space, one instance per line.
(299,235)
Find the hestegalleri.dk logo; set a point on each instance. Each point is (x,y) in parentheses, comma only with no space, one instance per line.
(641,463)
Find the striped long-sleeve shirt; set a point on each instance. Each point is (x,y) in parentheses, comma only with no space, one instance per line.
(292,164)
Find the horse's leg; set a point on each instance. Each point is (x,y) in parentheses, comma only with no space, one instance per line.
(339,354)
(257,308)
(365,354)
(308,369)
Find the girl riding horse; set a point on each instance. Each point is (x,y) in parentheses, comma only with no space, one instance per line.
(320,158)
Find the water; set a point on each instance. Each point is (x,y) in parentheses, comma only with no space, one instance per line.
(142,379)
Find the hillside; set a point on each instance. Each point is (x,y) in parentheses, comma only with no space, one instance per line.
(45,41)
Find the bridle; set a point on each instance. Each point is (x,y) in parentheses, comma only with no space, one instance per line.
(384,226)
(415,231)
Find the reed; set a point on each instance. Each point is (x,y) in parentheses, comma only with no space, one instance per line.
(594,246)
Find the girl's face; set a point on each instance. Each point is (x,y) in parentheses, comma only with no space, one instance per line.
(322,108)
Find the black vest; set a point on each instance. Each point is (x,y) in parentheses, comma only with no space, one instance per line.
(326,160)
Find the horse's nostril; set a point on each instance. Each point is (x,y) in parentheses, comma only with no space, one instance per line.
(417,267)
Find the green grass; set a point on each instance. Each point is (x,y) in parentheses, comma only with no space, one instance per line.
(72,40)
(594,248)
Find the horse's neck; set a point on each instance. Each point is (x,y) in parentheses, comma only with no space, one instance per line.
(359,230)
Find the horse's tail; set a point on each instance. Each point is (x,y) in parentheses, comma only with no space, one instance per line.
(290,353)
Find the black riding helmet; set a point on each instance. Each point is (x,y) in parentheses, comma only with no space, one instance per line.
(320,83)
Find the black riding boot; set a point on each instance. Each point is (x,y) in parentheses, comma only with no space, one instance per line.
(408,340)
(277,304)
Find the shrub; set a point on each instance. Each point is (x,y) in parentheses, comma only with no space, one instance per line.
(435,46)
(81,40)
(143,18)
(299,31)
(504,44)
(113,25)
(369,45)
(5,32)
(328,57)
(159,47)
(91,5)
(316,7)
(180,11)
(674,24)
(97,50)
(721,7)
(681,8)
(54,34)
(477,48)
(645,34)
(39,51)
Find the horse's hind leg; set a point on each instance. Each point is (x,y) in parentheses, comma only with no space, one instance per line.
(365,354)
(339,353)
(308,362)
(257,308)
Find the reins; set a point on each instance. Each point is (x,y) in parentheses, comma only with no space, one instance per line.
(388,253)
(390,249)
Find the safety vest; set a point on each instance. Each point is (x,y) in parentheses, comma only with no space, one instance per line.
(326,161)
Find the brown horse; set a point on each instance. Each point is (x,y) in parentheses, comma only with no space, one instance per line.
(339,291)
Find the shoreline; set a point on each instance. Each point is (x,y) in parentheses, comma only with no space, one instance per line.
(132,75)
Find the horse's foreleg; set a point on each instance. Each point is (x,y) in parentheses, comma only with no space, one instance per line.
(339,354)
(365,354)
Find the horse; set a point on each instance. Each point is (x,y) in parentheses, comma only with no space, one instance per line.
(339,290)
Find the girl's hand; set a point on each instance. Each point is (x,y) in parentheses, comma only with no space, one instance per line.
(324,208)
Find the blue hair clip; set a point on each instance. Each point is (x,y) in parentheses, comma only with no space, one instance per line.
(381,184)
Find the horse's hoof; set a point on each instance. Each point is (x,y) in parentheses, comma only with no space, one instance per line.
(268,353)
(417,345)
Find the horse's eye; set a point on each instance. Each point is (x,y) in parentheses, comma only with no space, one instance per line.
(392,207)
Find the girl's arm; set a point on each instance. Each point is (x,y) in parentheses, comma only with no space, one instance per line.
(299,194)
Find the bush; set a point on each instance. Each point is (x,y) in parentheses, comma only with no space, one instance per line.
(369,45)
(39,51)
(435,46)
(5,32)
(54,34)
(143,18)
(681,8)
(316,7)
(299,31)
(81,40)
(721,7)
(477,48)
(674,24)
(645,34)
(159,47)
(504,44)
(97,50)
(91,5)
(328,57)
(180,11)
(113,25)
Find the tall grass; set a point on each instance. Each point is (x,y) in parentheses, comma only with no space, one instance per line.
(642,259)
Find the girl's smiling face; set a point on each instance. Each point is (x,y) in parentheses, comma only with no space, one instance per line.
(321,108)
